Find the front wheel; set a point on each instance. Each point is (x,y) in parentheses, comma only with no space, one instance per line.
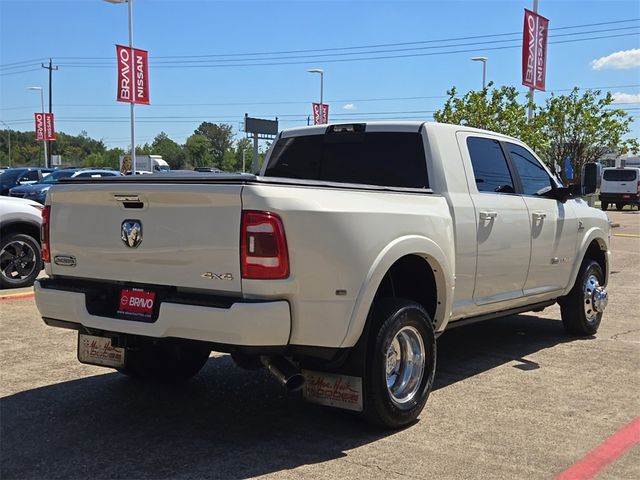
(401,363)
(604,205)
(582,308)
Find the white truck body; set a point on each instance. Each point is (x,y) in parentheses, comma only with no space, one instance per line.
(146,163)
(488,253)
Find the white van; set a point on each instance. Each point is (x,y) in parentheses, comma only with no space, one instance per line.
(620,186)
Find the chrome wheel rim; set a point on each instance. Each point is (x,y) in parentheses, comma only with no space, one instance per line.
(404,365)
(595,298)
(18,261)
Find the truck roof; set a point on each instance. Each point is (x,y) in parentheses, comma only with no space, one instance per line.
(393,126)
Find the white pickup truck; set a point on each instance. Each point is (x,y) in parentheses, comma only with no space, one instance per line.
(337,268)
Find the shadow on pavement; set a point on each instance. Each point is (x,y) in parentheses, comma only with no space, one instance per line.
(225,423)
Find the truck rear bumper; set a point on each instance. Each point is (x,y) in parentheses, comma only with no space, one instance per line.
(243,323)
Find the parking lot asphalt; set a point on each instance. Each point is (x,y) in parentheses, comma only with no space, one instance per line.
(514,398)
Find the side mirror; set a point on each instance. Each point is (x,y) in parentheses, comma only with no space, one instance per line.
(590,180)
(562,194)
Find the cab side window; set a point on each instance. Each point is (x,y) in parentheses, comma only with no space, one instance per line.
(489,166)
(535,180)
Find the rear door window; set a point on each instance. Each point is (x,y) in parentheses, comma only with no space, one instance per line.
(394,159)
(30,176)
(619,175)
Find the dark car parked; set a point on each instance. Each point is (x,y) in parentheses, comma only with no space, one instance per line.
(21,176)
(38,191)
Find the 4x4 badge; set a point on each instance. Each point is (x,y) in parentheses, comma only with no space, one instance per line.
(131,233)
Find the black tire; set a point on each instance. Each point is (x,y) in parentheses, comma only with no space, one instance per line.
(574,307)
(604,205)
(620,206)
(20,260)
(165,362)
(388,318)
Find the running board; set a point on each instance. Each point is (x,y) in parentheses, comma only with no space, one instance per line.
(503,313)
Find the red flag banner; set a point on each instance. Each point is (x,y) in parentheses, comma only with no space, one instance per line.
(49,132)
(541,52)
(39,126)
(318,117)
(133,75)
(534,50)
(141,65)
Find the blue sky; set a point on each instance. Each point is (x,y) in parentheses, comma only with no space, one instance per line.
(85,88)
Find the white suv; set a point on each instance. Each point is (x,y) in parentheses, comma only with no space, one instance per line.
(20,256)
(620,186)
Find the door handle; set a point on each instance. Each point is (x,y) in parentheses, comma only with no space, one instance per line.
(484,215)
(539,215)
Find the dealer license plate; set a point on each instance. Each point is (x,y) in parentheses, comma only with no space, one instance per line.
(99,351)
(136,302)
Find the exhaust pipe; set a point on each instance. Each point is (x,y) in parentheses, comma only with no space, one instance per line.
(287,374)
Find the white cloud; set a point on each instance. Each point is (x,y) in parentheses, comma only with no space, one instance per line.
(621,60)
(349,106)
(620,97)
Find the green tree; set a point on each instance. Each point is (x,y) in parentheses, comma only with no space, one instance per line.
(94,159)
(230,162)
(583,128)
(244,145)
(171,152)
(112,158)
(198,151)
(495,109)
(220,139)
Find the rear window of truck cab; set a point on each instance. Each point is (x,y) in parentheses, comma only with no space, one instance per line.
(619,175)
(391,159)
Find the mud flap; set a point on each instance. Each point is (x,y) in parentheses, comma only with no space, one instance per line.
(333,390)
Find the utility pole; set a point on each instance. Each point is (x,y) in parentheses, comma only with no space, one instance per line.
(51,68)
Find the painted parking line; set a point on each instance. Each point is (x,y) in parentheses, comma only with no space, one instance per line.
(604,454)
(632,235)
(16,296)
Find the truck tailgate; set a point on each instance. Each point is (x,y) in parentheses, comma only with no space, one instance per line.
(190,234)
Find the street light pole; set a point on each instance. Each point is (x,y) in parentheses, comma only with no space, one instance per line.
(132,104)
(484,69)
(321,72)
(44,142)
(531,89)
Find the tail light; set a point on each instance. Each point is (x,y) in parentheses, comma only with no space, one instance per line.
(263,246)
(44,234)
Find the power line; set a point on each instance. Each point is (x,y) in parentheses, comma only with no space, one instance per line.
(343,60)
(381,45)
(306,102)
(21,71)
(233,118)
(34,61)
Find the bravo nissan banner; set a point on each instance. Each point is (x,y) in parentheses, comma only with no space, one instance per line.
(320,118)
(534,50)
(133,75)
(44,126)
